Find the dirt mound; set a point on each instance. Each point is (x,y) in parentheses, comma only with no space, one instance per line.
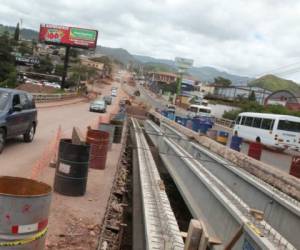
(32,88)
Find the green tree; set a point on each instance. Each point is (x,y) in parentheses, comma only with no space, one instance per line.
(222,81)
(25,48)
(45,66)
(252,96)
(73,53)
(7,62)
(17,32)
(59,69)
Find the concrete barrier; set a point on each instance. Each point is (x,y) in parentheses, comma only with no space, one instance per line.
(40,97)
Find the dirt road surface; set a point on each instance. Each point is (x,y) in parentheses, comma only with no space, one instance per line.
(74,222)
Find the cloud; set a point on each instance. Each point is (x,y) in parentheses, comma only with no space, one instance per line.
(244,37)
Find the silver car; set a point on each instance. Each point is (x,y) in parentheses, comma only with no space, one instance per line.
(98,105)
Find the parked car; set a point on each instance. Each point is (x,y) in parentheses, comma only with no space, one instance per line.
(114,92)
(18,115)
(107,99)
(98,105)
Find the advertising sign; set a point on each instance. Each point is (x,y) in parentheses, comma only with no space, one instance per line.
(27,60)
(70,36)
(183,63)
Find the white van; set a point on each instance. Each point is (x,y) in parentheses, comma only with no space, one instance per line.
(199,110)
(114,92)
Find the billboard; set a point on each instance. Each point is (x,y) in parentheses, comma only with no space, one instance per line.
(69,36)
(183,63)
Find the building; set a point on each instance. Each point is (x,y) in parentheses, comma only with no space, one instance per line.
(284,98)
(241,92)
(206,89)
(92,64)
(162,77)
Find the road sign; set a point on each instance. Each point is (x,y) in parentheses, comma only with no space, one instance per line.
(183,63)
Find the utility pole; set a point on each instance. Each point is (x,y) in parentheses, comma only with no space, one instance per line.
(66,62)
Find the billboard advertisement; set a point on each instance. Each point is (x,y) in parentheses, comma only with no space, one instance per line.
(183,63)
(69,36)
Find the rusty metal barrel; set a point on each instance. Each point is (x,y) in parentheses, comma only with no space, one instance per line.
(99,141)
(72,169)
(110,128)
(24,211)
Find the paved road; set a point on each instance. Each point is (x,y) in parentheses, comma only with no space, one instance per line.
(18,158)
(281,161)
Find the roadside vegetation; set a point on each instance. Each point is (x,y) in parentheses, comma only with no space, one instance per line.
(8,74)
(251,106)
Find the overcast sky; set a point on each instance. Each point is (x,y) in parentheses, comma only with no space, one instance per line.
(239,36)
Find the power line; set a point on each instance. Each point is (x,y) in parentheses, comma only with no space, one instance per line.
(278,69)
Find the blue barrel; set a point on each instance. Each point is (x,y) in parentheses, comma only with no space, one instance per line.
(189,123)
(203,127)
(201,124)
(180,120)
(171,116)
(236,142)
(164,113)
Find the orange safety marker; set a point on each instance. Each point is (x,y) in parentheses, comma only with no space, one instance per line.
(49,154)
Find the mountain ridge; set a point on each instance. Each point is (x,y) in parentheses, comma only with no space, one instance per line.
(275,83)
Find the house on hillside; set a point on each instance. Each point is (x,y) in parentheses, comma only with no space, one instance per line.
(284,98)
(92,64)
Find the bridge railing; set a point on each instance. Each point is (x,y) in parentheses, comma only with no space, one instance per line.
(225,122)
(40,97)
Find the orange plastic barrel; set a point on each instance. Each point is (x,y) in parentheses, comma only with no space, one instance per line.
(99,141)
(105,118)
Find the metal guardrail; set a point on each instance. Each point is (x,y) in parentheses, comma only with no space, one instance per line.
(161,228)
(225,122)
(211,200)
(40,97)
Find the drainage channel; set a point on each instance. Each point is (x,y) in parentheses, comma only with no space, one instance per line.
(160,226)
(181,211)
(116,230)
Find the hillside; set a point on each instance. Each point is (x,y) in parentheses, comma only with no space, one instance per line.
(206,74)
(274,83)
(119,54)
(26,34)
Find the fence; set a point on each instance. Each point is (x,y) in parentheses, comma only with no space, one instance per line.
(225,122)
(39,97)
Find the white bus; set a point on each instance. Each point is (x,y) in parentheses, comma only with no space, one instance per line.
(199,110)
(276,131)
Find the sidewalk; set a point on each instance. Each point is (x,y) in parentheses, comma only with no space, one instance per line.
(75,222)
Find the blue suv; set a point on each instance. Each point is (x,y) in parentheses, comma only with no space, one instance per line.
(18,115)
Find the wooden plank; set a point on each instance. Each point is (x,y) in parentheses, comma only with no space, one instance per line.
(77,137)
(194,235)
